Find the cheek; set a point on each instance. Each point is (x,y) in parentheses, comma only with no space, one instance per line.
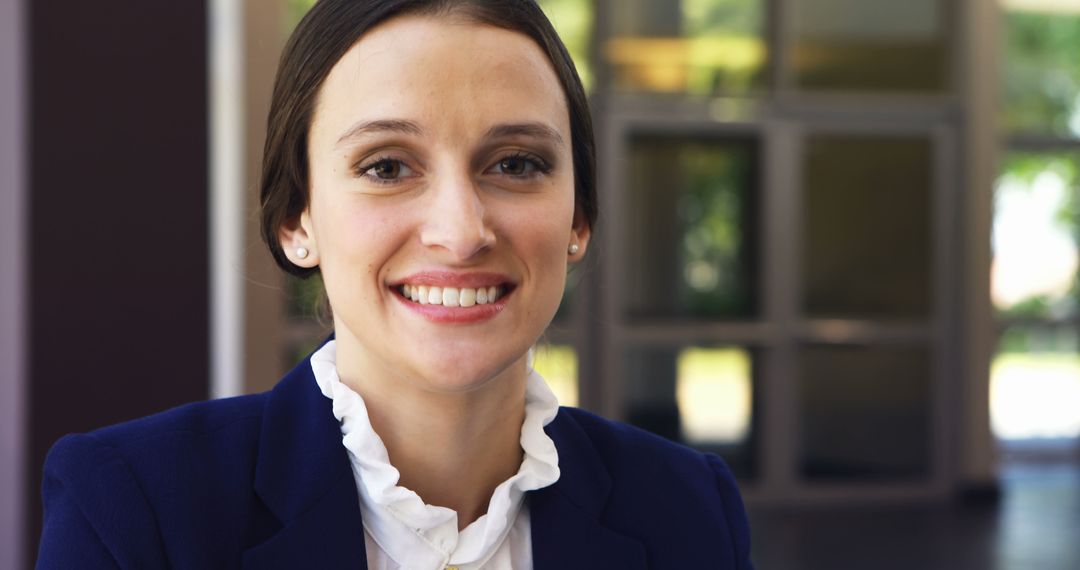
(541,233)
(355,241)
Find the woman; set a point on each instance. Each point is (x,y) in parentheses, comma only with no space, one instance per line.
(433,161)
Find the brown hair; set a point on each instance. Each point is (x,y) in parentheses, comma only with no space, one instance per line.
(323,36)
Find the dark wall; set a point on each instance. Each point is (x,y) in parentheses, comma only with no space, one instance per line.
(117,249)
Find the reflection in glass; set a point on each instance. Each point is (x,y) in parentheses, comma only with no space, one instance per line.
(1035,383)
(865,412)
(1036,228)
(871,45)
(558,364)
(698,396)
(1042,70)
(689,237)
(700,47)
(867,230)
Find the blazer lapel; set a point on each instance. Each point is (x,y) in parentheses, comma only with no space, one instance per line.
(303,476)
(565,517)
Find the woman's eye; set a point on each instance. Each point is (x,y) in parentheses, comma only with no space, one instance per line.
(516,166)
(386,170)
(520,166)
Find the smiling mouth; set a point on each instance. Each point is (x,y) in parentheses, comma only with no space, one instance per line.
(452,296)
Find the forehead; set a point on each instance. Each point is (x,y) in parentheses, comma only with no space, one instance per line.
(446,72)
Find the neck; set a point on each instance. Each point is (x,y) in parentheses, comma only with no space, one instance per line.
(451,448)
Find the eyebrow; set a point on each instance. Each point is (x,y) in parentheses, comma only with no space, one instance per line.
(401,126)
(381,126)
(534,130)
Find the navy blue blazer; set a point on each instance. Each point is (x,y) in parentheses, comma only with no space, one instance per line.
(263,481)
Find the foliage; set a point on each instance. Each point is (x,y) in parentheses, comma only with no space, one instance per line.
(294,12)
(1024,168)
(1042,72)
(729,50)
(714,212)
(306,298)
(1034,306)
(573,21)
(722,17)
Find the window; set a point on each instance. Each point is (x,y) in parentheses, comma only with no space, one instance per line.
(695,47)
(1035,376)
(688,228)
(871,45)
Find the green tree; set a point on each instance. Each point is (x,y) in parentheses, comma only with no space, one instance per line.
(1042,73)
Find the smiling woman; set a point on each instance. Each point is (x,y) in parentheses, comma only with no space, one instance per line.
(472,188)
(433,162)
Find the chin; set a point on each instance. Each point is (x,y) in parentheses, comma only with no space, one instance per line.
(464,371)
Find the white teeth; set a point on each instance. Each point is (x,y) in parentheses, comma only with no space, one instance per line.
(451,296)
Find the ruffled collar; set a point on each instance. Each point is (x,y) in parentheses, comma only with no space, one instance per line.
(411,532)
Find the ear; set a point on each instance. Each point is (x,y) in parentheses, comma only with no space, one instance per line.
(580,232)
(296,234)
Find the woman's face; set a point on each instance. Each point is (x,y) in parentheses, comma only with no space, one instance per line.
(441,169)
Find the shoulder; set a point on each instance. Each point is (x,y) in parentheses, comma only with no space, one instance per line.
(181,430)
(121,484)
(631,452)
(199,419)
(666,493)
(180,441)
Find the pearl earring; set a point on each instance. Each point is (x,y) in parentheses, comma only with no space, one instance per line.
(301,252)
(573,249)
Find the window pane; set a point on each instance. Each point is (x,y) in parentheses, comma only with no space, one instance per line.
(1042,70)
(867,227)
(700,47)
(1036,226)
(558,364)
(873,45)
(689,233)
(573,20)
(865,412)
(699,396)
(1035,383)
(712,388)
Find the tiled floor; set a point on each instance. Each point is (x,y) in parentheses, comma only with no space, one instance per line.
(1035,526)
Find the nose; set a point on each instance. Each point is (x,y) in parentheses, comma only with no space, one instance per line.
(456,220)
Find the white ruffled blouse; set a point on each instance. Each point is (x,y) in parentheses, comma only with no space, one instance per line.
(400,530)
